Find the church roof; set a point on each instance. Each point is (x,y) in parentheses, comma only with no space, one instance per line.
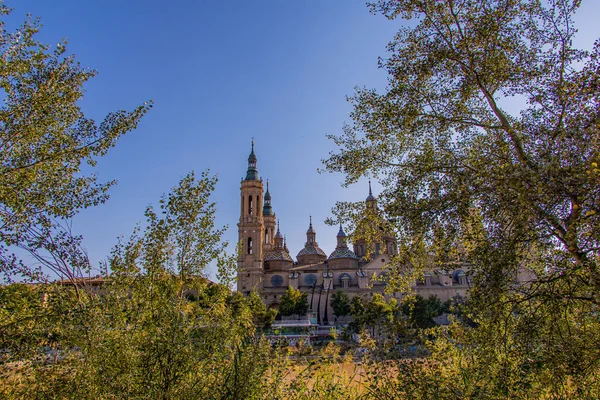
(280,255)
(311,249)
(341,252)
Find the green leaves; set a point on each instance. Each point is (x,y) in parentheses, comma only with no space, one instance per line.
(45,138)
(293,302)
(512,196)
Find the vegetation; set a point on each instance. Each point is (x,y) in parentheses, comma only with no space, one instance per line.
(293,302)
(421,311)
(45,140)
(512,193)
(340,303)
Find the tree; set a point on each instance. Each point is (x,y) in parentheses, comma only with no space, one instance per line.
(421,311)
(516,194)
(293,302)
(263,317)
(46,140)
(340,303)
(149,331)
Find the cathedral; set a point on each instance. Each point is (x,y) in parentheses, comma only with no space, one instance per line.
(265,263)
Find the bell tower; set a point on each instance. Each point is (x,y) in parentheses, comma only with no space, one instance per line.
(251,230)
(269,222)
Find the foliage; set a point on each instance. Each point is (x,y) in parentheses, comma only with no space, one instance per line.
(421,311)
(46,140)
(340,303)
(181,237)
(293,302)
(262,316)
(377,315)
(147,332)
(512,193)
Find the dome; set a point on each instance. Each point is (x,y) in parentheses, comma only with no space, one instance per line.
(311,249)
(342,253)
(278,256)
(341,232)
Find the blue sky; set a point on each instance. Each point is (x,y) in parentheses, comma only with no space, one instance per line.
(220,73)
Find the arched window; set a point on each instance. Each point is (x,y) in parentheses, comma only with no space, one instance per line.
(345,280)
(249,205)
(249,245)
(267,235)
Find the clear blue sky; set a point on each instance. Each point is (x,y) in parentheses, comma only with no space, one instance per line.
(220,73)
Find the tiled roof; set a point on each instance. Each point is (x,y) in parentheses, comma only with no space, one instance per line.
(342,253)
(278,255)
(311,249)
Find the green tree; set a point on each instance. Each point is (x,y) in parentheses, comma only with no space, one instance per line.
(46,141)
(293,302)
(513,192)
(379,314)
(148,332)
(421,311)
(340,303)
(263,317)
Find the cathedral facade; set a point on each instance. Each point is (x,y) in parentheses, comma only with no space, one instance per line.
(266,266)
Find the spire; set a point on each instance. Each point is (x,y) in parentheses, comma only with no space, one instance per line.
(370,197)
(252,172)
(285,244)
(341,238)
(311,235)
(278,235)
(278,238)
(267,209)
(310,227)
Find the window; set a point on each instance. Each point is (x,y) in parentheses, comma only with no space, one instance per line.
(362,250)
(377,248)
(267,236)
(276,281)
(310,279)
(345,280)
(249,205)
(249,245)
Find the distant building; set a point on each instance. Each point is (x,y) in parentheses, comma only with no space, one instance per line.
(265,264)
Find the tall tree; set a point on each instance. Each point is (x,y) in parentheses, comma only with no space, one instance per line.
(45,140)
(486,141)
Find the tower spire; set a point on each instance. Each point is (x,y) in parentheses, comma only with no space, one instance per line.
(370,197)
(267,208)
(252,172)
